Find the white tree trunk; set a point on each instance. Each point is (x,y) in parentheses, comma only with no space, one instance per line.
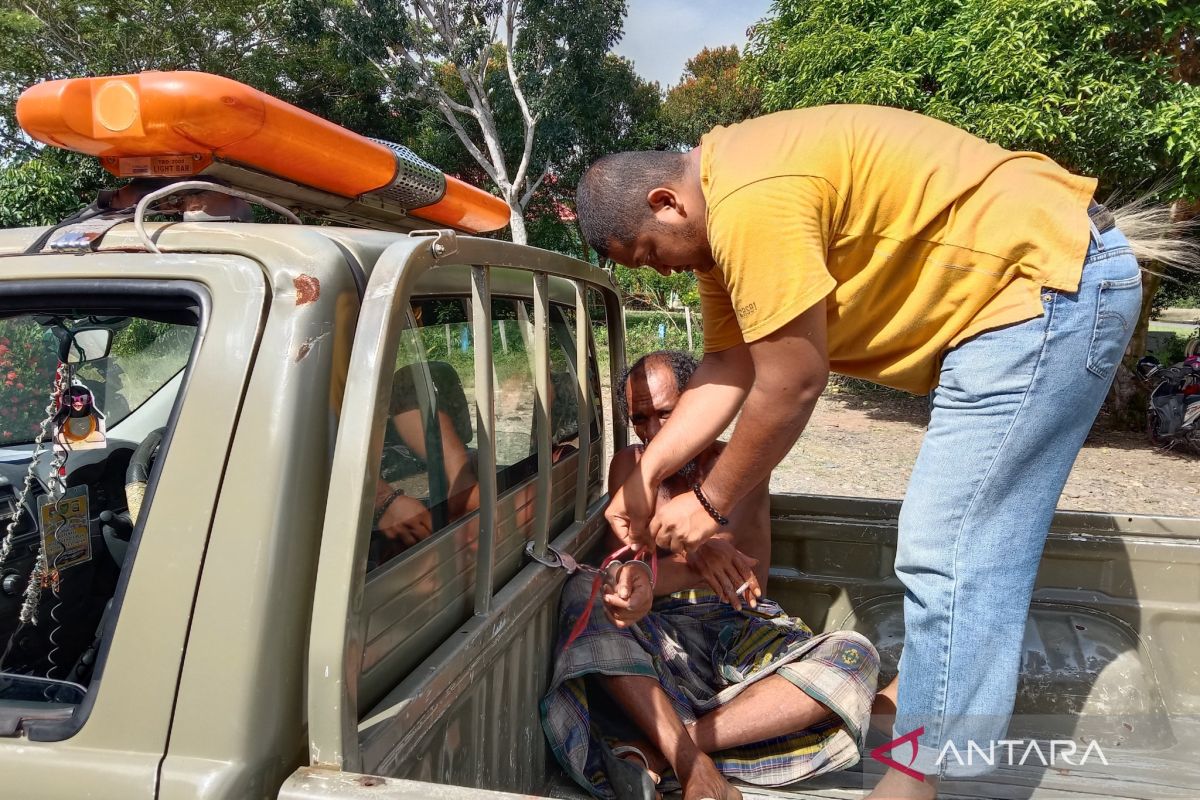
(516,221)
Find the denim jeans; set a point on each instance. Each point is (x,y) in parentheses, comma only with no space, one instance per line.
(1010,412)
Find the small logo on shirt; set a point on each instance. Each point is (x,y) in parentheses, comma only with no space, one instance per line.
(747,310)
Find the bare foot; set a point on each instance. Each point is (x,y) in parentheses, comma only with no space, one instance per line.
(649,757)
(702,781)
(897,786)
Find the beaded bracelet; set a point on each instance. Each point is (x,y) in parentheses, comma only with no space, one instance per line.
(384,506)
(712,512)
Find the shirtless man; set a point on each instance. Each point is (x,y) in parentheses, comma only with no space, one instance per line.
(704,674)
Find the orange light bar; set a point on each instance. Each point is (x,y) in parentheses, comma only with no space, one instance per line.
(175,124)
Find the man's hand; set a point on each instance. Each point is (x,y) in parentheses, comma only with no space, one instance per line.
(406,520)
(725,568)
(630,508)
(682,525)
(629,597)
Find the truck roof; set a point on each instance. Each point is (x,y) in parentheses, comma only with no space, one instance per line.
(276,246)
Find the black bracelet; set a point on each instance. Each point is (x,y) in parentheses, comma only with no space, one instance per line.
(712,512)
(384,506)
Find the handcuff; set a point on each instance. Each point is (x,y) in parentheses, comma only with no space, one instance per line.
(606,573)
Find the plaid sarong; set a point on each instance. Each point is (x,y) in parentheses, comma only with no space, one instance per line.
(704,653)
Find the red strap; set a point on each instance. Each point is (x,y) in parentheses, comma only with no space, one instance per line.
(598,581)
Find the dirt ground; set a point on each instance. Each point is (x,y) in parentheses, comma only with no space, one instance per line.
(864,445)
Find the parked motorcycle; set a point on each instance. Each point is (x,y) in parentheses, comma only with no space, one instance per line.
(1173,416)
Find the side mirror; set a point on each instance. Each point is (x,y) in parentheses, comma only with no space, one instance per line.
(85,344)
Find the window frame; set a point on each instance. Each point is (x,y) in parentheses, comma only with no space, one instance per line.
(338,626)
(126,714)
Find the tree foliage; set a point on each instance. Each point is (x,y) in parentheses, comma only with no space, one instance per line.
(711,93)
(608,110)
(1108,88)
(1105,87)
(467,59)
(252,41)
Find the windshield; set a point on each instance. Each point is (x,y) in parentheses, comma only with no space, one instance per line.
(144,356)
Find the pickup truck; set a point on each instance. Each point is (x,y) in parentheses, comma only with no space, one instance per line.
(210,429)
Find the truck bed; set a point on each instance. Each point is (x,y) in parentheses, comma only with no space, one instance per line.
(1111,655)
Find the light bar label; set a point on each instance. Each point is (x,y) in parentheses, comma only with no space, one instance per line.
(159,166)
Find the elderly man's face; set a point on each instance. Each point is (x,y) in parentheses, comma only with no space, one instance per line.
(651,396)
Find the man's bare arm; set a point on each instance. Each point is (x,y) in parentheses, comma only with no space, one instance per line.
(675,574)
(750,523)
(705,409)
(791,368)
(713,396)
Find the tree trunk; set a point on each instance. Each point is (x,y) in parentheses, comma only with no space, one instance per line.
(1128,395)
(516,223)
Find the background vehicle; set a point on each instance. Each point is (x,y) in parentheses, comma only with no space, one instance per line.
(1173,412)
(256,637)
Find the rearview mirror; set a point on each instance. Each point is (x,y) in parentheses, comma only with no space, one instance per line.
(86,344)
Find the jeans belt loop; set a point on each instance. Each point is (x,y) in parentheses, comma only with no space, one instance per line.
(1101,220)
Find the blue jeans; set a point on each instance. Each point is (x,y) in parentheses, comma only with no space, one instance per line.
(1009,415)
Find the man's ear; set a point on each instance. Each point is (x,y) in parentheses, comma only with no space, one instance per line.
(661,198)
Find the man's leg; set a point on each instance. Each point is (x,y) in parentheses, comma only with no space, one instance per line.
(648,707)
(1010,414)
(773,706)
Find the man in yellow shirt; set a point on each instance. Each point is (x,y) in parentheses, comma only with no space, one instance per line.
(889,246)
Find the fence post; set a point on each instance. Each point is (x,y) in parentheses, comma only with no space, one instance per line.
(687,317)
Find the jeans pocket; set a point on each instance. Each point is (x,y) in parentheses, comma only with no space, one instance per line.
(1117,307)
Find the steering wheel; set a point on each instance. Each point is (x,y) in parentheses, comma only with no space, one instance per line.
(138,472)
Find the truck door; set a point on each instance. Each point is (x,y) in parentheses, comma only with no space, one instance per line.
(471,425)
(110,464)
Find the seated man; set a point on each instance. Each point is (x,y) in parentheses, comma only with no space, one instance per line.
(403,520)
(689,676)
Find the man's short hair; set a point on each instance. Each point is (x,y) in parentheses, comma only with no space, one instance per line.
(611,199)
(681,364)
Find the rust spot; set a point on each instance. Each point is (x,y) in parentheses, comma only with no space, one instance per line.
(370,780)
(1127,726)
(303,351)
(308,289)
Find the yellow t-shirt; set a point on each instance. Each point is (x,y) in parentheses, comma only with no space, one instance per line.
(918,235)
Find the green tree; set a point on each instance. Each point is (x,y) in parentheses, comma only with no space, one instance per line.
(248,40)
(463,58)
(1106,87)
(607,109)
(711,92)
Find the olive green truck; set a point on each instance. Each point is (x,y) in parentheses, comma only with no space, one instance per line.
(266,495)
(250,633)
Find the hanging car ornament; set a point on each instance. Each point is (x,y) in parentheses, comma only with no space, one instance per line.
(79,423)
